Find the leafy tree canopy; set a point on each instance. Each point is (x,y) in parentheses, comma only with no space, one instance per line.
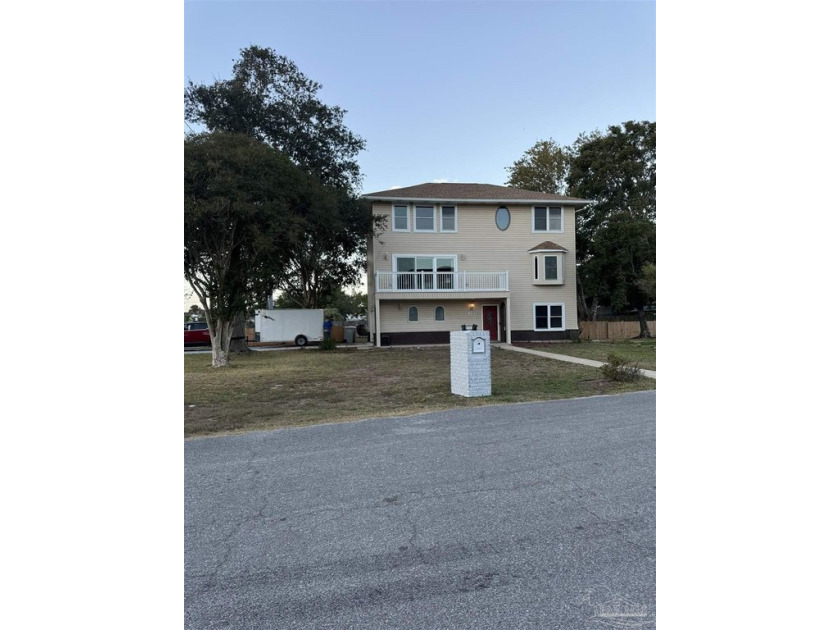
(330,253)
(544,168)
(270,99)
(244,204)
(617,170)
(616,234)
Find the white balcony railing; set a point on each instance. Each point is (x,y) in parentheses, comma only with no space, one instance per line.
(441,281)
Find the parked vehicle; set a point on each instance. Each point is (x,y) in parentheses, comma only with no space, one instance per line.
(290,325)
(196,334)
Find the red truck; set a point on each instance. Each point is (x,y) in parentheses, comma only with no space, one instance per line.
(196,334)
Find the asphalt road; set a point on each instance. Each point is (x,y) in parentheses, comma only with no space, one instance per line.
(538,515)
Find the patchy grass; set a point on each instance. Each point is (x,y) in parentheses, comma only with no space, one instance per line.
(641,351)
(266,390)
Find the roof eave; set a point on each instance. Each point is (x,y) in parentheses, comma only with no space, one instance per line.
(567,202)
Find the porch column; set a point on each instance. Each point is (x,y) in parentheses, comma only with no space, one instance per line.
(507,319)
(378,320)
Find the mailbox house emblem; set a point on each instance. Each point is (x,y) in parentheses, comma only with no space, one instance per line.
(478,345)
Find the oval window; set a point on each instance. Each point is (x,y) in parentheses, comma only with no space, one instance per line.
(502,218)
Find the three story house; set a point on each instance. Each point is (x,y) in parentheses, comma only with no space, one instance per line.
(452,254)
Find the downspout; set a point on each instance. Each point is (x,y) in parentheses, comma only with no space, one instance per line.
(507,317)
(378,320)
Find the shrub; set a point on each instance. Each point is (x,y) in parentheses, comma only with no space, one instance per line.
(619,369)
(328,343)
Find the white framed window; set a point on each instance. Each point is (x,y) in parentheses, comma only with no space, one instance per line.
(547,219)
(448,219)
(425,273)
(536,267)
(413,314)
(399,219)
(550,316)
(440,314)
(424,219)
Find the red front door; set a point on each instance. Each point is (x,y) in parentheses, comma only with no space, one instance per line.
(490,320)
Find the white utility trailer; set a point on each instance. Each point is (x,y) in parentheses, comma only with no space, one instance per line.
(297,325)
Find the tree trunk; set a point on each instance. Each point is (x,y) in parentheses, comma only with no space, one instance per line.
(583,311)
(238,342)
(643,327)
(220,342)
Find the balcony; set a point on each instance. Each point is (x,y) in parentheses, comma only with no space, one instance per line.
(441,282)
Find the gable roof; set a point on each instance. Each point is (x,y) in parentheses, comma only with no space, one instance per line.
(548,246)
(469,192)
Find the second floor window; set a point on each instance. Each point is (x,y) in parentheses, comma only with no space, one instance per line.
(548,219)
(424,218)
(401,218)
(447,219)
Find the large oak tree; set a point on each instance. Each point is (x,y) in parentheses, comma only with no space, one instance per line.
(244,204)
(616,234)
(268,98)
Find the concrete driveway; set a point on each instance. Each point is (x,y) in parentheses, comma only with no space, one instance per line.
(538,515)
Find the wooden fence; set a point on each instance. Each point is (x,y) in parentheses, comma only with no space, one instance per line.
(612,330)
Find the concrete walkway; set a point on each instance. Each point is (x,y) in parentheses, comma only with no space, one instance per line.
(565,357)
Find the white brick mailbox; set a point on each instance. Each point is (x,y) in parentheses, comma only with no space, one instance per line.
(469,362)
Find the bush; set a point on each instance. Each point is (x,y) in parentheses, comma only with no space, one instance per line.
(328,343)
(619,369)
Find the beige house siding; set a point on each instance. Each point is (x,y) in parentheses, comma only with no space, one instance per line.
(394,315)
(480,246)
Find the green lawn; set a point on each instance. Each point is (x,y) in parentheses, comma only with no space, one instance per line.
(642,351)
(265,390)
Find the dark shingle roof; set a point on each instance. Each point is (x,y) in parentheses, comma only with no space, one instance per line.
(548,245)
(468,192)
